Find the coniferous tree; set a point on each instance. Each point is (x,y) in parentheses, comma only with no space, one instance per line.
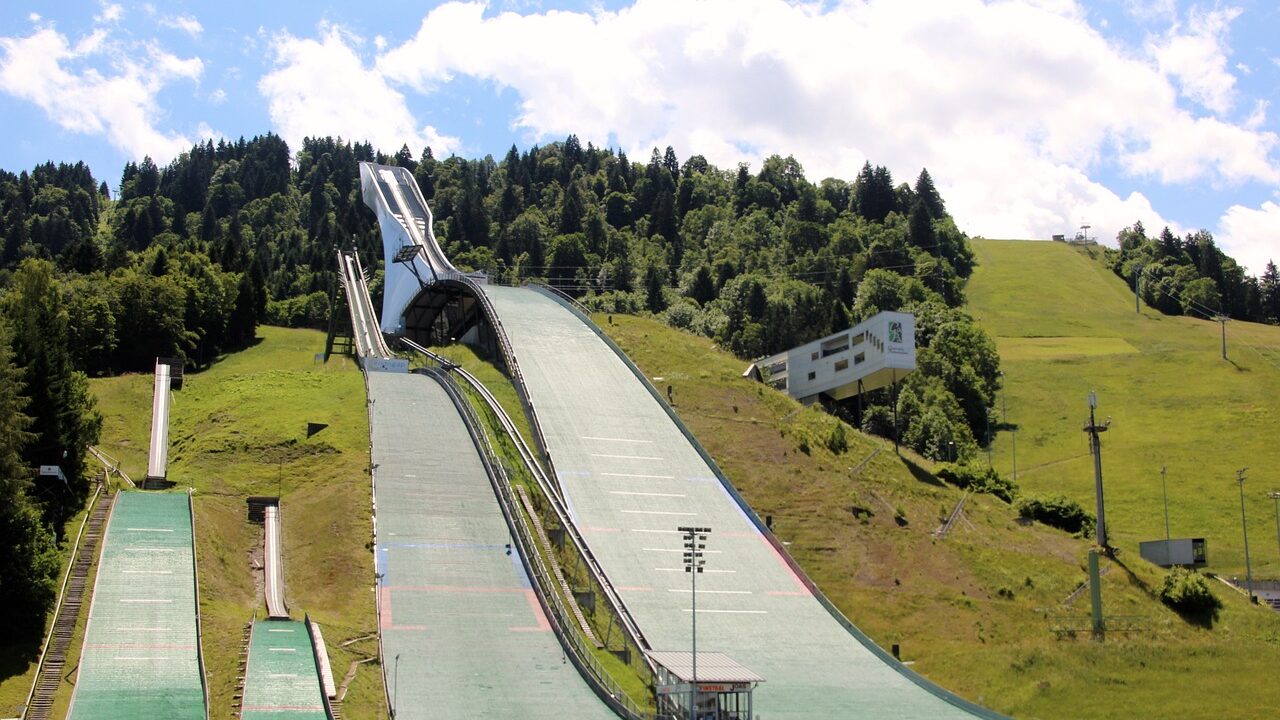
(64,421)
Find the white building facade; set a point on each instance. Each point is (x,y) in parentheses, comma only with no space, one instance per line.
(875,353)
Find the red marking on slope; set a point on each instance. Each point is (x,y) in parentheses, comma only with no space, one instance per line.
(541,617)
(800,586)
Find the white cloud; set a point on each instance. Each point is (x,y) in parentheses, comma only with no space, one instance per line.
(186,23)
(380,43)
(119,103)
(217,97)
(1010,105)
(322,87)
(34,17)
(1197,58)
(111,12)
(1251,235)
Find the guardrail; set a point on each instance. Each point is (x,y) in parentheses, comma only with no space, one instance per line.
(561,618)
(195,578)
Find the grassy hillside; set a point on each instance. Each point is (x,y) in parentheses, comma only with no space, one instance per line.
(975,611)
(239,429)
(1066,325)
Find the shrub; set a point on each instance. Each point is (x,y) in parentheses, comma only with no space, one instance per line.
(878,420)
(979,480)
(1187,592)
(837,443)
(1057,511)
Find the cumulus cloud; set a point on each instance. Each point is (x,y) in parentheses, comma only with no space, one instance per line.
(322,87)
(1251,235)
(1010,105)
(44,68)
(111,12)
(1197,57)
(186,23)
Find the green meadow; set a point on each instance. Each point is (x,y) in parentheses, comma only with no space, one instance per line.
(1065,325)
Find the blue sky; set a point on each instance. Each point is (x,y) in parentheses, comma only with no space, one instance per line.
(1032,115)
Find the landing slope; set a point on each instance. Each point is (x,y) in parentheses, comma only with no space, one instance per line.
(463,634)
(631,477)
(141,650)
(1065,325)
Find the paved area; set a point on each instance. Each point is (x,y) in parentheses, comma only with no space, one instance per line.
(282,682)
(140,655)
(631,478)
(463,634)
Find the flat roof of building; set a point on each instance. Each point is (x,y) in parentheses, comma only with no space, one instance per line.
(713,667)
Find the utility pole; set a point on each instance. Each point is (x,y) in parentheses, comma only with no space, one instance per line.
(1013,432)
(695,539)
(1165,485)
(1094,429)
(1137,289)
(1275,495)
(1223,320)
(1244,525)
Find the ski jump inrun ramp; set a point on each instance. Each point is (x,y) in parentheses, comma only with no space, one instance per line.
(631,473)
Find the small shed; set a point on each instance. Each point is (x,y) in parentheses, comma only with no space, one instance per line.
(1185,552)
(723,688)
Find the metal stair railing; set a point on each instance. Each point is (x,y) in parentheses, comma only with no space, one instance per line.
(53,656)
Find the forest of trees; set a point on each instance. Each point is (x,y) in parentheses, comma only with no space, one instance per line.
(1192,276)
(189,258)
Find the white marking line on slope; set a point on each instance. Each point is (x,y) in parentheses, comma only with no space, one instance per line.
(730,612)
(145,600)
(284,650)
(123,657)
(147,572)
(282,675)
(609,439)
(146,549)
(673,532)
(677,550)
(149,529)
(680,569)
(144,629)
(627,457)
(646,494)
(644,477)
(285,630)
(657,512)
(713,592)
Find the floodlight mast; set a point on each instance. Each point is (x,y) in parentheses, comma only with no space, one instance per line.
(695,539)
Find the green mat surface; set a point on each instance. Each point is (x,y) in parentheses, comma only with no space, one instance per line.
(282,680)
(631,477)
(141,654)
(463,634)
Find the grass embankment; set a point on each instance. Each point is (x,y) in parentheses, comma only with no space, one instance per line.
(975,611)
(239,429)
(1065,325)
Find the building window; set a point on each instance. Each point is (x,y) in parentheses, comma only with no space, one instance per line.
(859,358)
(835,345)
(812,375)
(842,365)
(857,339)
